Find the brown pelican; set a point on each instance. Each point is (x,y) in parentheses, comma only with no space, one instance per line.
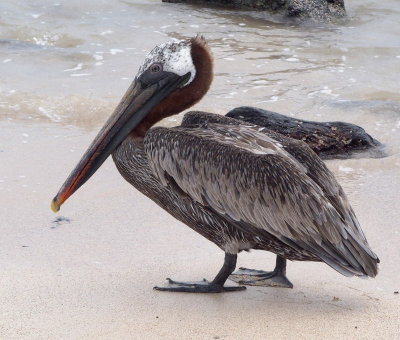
(240,186)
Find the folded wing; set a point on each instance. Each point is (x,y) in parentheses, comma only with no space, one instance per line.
(247,176)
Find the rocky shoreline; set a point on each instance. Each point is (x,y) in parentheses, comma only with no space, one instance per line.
(300,10)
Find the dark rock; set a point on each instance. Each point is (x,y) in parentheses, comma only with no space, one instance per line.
(301,10)
(328,139)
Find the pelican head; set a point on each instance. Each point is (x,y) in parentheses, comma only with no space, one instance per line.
(173,77)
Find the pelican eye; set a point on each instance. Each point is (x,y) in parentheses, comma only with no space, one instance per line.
(155,68)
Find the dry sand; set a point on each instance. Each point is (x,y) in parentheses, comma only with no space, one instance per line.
(92,278)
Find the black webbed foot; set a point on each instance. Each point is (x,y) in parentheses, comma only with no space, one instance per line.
(252,277)
(198,287)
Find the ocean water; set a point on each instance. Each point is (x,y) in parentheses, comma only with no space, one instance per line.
(69,62)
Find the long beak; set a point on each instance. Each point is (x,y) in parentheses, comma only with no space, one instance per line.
(137,102)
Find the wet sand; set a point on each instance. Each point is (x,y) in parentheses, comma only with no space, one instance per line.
(92,277)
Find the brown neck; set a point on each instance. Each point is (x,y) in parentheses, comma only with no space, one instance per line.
(187,96)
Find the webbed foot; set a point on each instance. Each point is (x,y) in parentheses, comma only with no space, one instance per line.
(252,277)
(197,287)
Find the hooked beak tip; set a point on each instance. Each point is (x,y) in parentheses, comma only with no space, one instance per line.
(54,205)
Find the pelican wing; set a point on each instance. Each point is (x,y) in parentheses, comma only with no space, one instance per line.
(316,168)
(249,178)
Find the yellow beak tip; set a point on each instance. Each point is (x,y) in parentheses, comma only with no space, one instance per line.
(54,206)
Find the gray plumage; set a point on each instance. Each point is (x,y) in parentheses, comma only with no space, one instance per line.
(246,187)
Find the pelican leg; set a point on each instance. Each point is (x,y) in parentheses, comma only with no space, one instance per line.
(215,286)
(252,277)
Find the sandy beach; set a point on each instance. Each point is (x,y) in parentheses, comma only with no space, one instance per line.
(92,277)
(88,271)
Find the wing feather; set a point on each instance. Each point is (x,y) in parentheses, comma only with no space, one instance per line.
(248,176)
